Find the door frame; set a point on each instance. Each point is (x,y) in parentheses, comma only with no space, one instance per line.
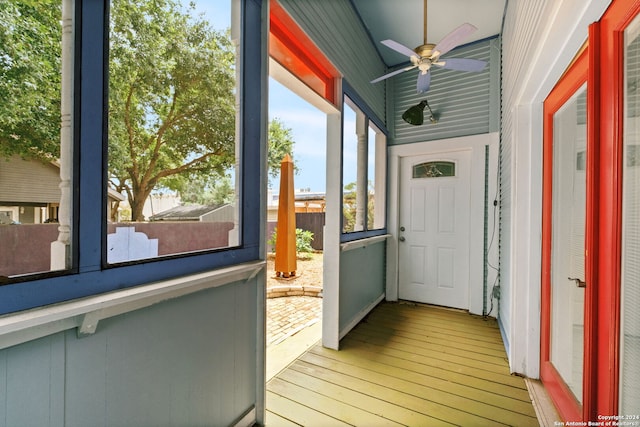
(605,125)
(476,144)
(575,77)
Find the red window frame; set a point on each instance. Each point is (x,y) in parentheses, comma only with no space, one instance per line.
(611,47)
(296,52)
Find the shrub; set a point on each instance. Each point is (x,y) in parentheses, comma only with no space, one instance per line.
(303,240)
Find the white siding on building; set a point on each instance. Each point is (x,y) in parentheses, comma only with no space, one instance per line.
(540,38)
(28,181)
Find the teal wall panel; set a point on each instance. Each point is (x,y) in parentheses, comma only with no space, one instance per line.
(362,280)
(33,384)
(188,361)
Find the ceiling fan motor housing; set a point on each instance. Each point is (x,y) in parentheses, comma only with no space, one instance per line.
(425,50)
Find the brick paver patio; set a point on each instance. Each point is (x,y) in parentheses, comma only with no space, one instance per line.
(288,315)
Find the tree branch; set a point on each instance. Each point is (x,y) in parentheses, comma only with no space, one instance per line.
(127,120)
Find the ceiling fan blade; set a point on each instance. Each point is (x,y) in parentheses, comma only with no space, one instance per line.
(462,64)
(454,38)
(393,73)
(424,81)
(400,48)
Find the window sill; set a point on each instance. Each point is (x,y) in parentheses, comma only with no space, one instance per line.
(84,314)
(363,243)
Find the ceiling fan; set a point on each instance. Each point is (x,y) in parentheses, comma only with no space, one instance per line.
(428,54)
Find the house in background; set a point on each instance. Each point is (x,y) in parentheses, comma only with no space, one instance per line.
(201,213)
(30,191)
(540,191)
(305,201)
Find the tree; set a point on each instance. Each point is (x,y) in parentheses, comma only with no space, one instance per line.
(202,192)
(171,99)
(350,205)
(205,191)
(30,51)
(172,96)
(280,143)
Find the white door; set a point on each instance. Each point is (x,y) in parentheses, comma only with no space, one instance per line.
(434,229)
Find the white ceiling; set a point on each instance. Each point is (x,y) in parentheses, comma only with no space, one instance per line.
(403,21)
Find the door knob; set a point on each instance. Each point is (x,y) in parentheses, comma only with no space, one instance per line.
(579,283)
(401,238)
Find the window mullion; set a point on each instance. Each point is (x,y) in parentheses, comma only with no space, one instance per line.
(90,127)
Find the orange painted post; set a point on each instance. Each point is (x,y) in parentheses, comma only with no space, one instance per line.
(285,264)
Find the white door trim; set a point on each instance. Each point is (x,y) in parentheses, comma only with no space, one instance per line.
(476,144)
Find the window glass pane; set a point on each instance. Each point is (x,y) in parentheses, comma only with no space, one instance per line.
(363,172)
(35,135)
(173,151)
(376,173)
(351,219)
(630,280)
(371,177)
(567,242)
(434,170)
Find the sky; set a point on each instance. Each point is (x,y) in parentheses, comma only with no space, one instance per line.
(309,129)
(307,123)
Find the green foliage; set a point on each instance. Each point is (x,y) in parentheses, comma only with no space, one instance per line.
(202,192)
(303,240)
(280,144)
(205,191)
(30,72)
(171,98)
(349,206)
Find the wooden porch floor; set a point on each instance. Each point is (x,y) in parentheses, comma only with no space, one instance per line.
(412,365)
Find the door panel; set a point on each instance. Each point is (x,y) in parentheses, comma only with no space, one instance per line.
(434,236)
(564,277)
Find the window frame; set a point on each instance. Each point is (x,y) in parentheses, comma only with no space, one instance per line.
(371,118)
(90,274)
